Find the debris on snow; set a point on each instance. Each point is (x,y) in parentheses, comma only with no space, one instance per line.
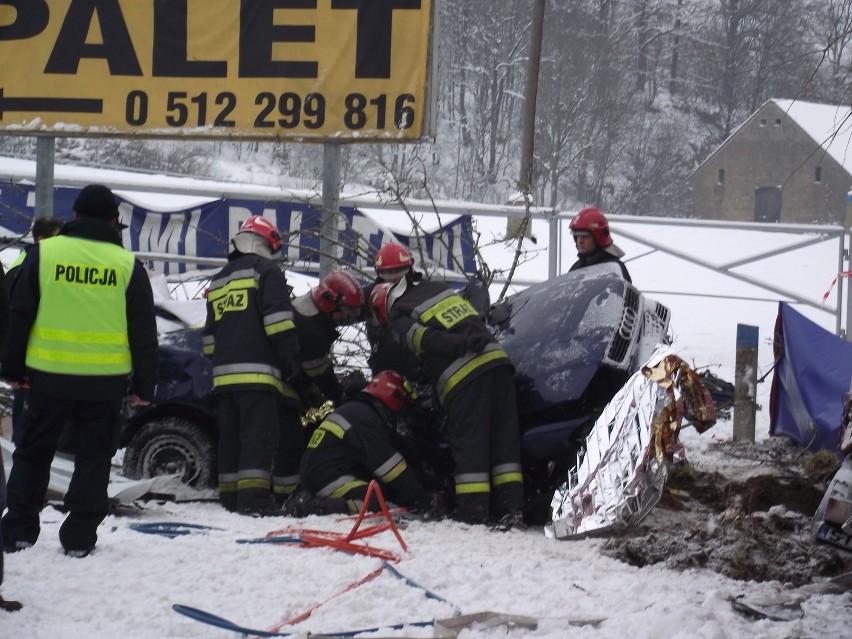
(755,527)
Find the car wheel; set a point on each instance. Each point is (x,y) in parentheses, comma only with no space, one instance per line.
(169,446)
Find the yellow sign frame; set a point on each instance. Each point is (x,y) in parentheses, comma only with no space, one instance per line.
(302,70)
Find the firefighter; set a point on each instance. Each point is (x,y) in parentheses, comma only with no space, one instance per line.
(83,335)
(471,379)
(392,263)
(336,301)
(590,229)
(251,337)
(351,447)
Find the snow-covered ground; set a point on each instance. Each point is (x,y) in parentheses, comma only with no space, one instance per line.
(127,586)
(572,588)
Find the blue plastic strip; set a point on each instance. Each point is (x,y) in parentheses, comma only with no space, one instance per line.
(413,584)
(220,622)
(170,529)
(271,540)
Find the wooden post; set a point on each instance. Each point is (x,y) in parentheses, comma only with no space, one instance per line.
(528,140)
(530,96)
(745,383)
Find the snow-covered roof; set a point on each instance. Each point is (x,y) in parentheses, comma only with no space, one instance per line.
(829,125)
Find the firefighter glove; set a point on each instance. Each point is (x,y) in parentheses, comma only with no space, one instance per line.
(477,343)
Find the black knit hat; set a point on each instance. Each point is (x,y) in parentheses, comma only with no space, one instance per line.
(96,201)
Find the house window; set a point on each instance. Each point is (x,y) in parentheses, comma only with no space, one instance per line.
(721,177)
(762,121)
(818,174)
(777,121)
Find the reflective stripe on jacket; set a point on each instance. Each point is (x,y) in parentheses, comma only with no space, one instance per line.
(350,442)
(434,322)
(250,334)
(81,326)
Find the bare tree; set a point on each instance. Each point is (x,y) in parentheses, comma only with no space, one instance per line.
(633,94)
(832,29)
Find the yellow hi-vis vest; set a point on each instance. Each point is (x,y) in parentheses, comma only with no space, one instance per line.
(18,260)
(81,325)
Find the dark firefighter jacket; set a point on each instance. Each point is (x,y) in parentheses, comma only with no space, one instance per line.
(140,320)
(445,332)
(352,445)
(386,353)
(249,333)
(600,256)
(317,334)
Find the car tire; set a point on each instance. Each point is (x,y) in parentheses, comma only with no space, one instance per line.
(172,445)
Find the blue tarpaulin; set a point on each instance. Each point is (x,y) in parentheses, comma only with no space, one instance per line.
(812,373)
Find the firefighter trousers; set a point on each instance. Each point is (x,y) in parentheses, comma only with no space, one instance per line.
(248,437)
(288,456)
(486,447)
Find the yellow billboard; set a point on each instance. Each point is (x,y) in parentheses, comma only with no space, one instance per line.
(227,69)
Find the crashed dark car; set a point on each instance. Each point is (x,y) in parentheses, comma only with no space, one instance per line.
(574,341)
(177,433)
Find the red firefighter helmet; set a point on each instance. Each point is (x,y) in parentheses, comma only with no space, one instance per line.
(339,291)
(379,301)
(391,257)
(592,221)
(261,226)
(391,389)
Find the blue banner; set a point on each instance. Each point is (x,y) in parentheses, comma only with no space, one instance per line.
(204,231)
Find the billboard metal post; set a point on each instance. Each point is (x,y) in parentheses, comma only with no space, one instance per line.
(330,206)
(45,155)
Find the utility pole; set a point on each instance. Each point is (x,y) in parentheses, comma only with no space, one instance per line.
(528,139)
(530,96)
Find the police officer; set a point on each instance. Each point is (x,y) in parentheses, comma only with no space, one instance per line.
(83,335)
(336,301)
(251,338)
(471,378)
(43,227)
(351,447)
(9,605)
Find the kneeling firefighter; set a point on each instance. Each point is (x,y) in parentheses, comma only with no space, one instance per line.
(351,447)
(335,302)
